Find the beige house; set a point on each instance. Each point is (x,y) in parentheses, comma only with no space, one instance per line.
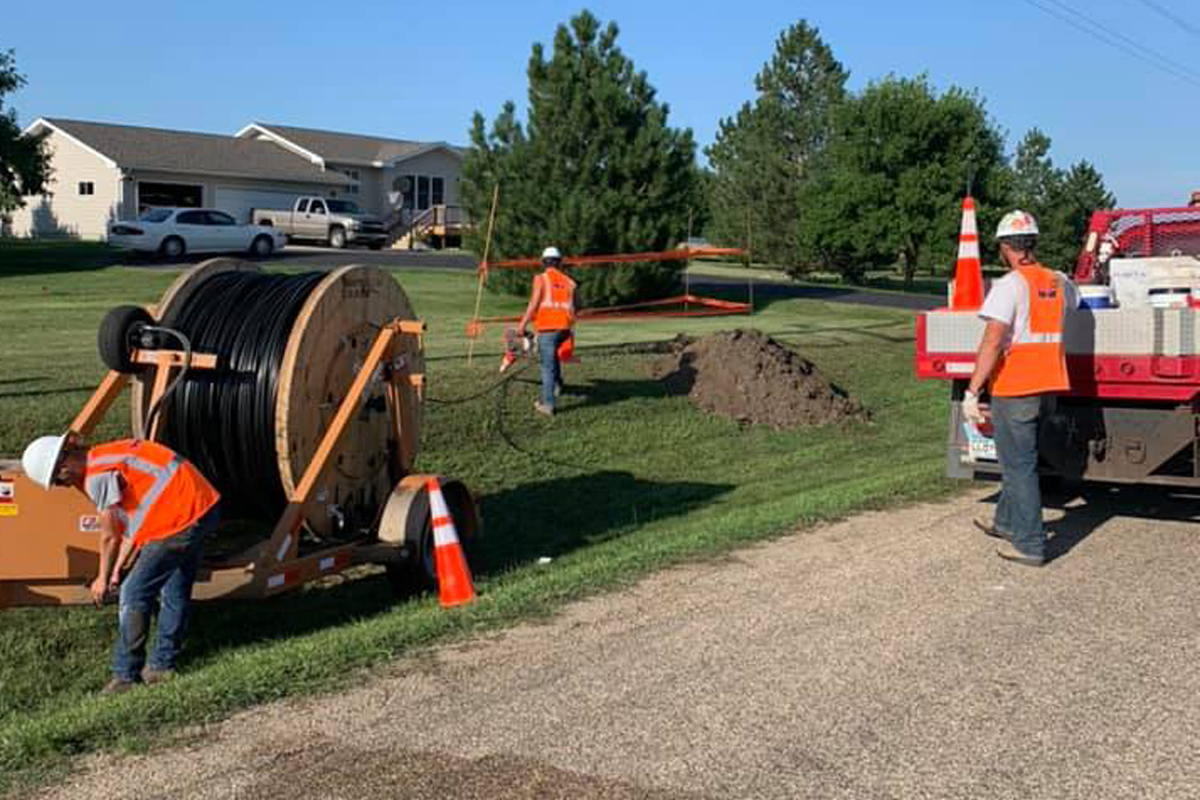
(390,176)
(105,172)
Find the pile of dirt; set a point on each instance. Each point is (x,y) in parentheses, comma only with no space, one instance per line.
(748,376)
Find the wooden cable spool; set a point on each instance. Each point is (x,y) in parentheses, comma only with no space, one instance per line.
(326,348)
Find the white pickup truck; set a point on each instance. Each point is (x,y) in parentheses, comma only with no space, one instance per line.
(337,223)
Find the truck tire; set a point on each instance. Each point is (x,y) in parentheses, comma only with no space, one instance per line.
(337,237)
(117,337)
(376,245)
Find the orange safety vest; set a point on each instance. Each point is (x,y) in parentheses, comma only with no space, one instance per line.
(1036,361)
(163,493)
(557,310)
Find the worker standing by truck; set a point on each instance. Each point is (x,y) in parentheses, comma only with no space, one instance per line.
(1022,361)
(552,310)
(153,502)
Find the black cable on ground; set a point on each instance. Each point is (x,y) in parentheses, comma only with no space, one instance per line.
(454,401)
(224,420)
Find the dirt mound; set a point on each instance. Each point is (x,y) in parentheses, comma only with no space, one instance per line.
(748,376)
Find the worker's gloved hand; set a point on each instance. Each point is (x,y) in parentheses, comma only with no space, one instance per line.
(971,410)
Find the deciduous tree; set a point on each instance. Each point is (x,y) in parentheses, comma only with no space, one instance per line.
(893,174)
(24,160)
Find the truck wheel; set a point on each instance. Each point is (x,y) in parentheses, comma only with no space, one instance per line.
(262,247)
(376,245)
(118,337)
(337,238)
(172,247)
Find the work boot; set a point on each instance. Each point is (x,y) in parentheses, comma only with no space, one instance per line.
(991,530)
(1008,552)
(117,686)
(151,676)
(542,408)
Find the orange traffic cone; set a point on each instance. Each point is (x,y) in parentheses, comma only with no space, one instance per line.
(454,578)
(968,273)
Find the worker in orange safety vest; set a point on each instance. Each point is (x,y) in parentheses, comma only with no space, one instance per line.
(151,502)
(1022,362)
(552,310)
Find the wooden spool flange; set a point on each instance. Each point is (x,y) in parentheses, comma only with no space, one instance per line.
(327,346)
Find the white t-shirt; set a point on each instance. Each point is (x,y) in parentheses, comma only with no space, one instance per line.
(1008,302)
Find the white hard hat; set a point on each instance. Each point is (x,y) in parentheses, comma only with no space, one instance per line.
(1017,223)
(41,457)
(551,253)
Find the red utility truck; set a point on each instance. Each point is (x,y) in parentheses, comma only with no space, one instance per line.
(1133,354)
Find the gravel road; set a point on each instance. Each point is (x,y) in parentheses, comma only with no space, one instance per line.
(888,656)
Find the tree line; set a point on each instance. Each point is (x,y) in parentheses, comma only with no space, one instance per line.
(813,175)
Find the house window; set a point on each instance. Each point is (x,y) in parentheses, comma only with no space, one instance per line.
(419,192)
(352,174)
(87,187)
(422,192)
(408,188)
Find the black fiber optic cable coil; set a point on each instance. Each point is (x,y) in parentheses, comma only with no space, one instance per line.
(223,420)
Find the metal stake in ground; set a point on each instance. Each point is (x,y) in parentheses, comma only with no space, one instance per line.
(483,269)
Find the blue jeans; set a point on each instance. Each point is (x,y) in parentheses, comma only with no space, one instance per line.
(163,574)
(548,343)
(1019,512)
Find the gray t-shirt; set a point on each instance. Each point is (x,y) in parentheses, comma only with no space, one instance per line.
(104,489)
(1008,302)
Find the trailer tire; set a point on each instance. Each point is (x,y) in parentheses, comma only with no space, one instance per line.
(417,574)
(118,334)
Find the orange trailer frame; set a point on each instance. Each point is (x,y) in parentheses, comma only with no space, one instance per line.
(48,539)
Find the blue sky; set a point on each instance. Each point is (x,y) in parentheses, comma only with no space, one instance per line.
(419,70)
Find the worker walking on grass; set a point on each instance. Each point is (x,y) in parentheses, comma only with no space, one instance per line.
(153,503)
(1022,361)
(552,310)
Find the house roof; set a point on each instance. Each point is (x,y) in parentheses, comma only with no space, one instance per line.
(348,148)
(163,150)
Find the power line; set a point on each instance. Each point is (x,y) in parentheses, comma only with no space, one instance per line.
(1165,62)
(1172,16)
(1123,43)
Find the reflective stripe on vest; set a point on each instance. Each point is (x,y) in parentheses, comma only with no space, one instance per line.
(557,309)
(1036,361)
(163,494)
(162,476)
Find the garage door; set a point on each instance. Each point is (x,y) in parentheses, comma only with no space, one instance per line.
(239,201)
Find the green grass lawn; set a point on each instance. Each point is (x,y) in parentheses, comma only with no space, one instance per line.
(625,480)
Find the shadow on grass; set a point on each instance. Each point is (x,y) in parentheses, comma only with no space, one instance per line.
(546,518)
(36,257)
(48,392)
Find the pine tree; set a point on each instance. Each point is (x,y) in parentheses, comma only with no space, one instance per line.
(1062,201)
(761,157)
(594,169)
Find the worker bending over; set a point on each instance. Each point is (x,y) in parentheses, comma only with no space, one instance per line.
(155,504)
(552,309)
(1022,361)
